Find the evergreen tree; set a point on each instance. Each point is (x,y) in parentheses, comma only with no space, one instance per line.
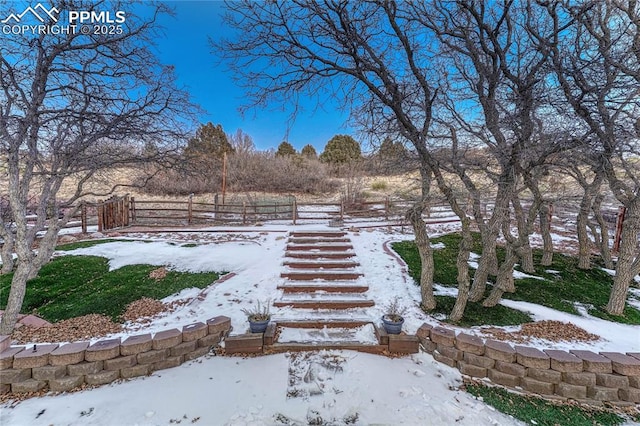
(285,149)
(210,141)
(308,151)
(341,149)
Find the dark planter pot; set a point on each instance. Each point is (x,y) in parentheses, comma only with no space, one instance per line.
(258,326)
(392,327)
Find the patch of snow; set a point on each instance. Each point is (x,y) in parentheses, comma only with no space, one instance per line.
(364,334)
(255,391)
(520,275)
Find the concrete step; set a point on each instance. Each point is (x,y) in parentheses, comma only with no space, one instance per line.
(321,346)
(316,240)
(321,275)
(312,287)
(324,303)
(321,247)
(354,336)
(336,322)
(296,234)
(319,254)
(319,264)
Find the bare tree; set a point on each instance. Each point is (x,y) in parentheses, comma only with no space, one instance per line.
(597,65)
(72,105)
(497,81)
(241,142)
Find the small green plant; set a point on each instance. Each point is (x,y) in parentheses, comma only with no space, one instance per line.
(260,312)
(394,311)
(533,410)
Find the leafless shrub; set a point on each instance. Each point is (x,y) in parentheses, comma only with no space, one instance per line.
(263,171)
(246,171)
(179,182)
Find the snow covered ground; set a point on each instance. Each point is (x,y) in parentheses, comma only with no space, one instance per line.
(337,386)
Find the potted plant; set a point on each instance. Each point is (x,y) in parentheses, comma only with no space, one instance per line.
(392,320)
(258,317)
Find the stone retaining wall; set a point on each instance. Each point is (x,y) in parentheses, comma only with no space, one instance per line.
(579,375)
(65,367)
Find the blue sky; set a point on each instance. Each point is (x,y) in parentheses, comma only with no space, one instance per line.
(211,86)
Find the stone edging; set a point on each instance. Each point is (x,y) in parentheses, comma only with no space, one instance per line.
(65,367)
(579,375)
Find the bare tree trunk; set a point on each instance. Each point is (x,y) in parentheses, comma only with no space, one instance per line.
(545,231)
(463,271)
(605,250)
(487,265)
(524,252)
(16,296)
(46,247)
(628,265)
(584,242)
(414,215)
(6,253)
(488,262)
(504,279)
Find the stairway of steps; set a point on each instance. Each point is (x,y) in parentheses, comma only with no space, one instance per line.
(322,282)
(329,308)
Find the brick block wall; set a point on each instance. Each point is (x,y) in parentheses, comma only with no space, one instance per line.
(65,367)
(581,375)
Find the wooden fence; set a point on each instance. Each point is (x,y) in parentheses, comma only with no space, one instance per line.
(191,212)
(117,212)
(113,213)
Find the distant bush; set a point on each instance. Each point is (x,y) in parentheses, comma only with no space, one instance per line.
(183,182)
(265,171)
(341,149)
(285,149)
(309,151)
(246,171)
(379,185)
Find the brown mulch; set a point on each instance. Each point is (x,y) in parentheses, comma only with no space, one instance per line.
(71,330)
(94,325)
(554,331)
(158,274)
(143,308)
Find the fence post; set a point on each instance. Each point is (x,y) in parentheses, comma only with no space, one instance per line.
(294,211)
(100,210)
(622,210)
(386,208)
(190,209)
(341,209)
(215,207)
(83,217)
(244,212)
(125,210)
(132,208)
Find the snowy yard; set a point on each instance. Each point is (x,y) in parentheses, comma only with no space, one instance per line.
(338,387)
